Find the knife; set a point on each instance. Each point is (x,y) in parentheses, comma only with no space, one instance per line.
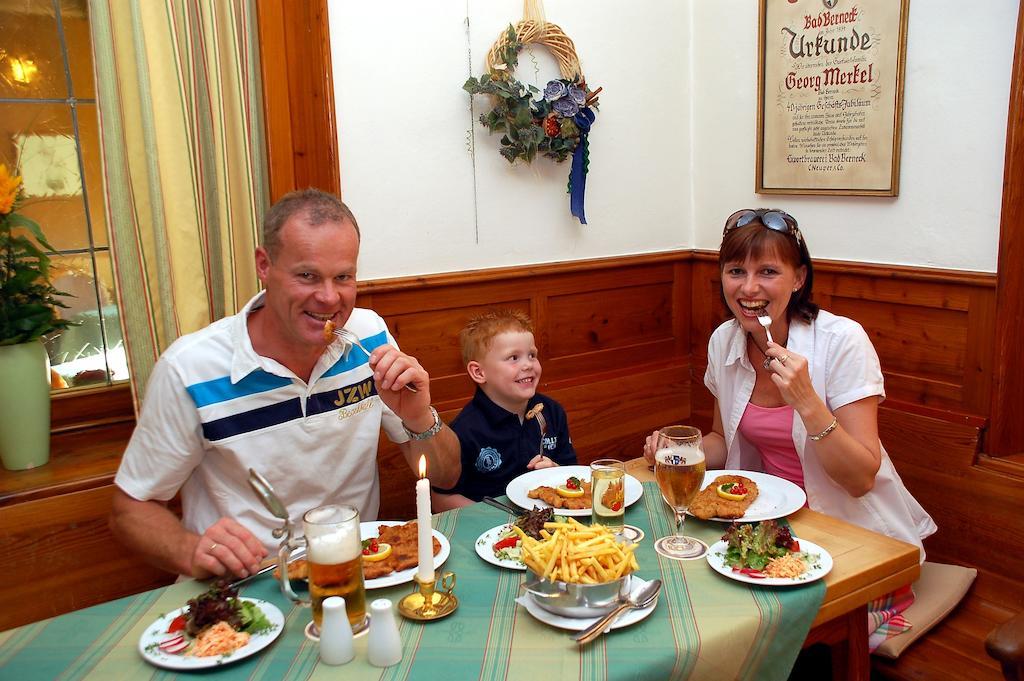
(262,571)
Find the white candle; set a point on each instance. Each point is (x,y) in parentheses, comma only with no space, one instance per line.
(425,572)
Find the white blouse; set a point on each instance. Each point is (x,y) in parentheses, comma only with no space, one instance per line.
(844,368)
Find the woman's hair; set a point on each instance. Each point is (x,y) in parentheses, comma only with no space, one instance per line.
(757,240)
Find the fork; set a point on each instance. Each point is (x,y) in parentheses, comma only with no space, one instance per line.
(535,413)
(766,322)
(352,339)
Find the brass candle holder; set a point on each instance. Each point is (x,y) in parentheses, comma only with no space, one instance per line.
(426,604)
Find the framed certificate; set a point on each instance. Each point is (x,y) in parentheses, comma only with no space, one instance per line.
(830,96)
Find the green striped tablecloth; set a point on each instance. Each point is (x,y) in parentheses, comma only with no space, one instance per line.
(705,626)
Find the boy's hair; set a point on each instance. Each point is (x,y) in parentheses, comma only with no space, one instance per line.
(476,337)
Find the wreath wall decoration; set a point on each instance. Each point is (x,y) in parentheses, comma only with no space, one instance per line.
(555,124)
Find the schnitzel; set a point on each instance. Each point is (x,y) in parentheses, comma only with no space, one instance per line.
(709,504)
(404,548)
(551,497)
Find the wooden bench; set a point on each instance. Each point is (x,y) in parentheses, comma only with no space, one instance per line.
(978,505)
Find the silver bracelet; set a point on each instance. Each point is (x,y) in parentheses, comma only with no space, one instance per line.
(832,426)
(428,433)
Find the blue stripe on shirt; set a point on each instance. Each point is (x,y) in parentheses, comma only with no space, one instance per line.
(254,419)
(222,389)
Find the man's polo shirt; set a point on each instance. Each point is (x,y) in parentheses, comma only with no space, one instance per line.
(214,409)
(496,447)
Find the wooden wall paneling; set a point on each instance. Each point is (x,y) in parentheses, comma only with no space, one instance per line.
(63,557)
(1006,437)
(298,96)
(980,366)
(682,305)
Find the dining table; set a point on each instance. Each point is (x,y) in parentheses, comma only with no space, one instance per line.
(704,625)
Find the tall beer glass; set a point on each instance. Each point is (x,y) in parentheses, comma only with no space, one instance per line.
(334,555)
(679,469)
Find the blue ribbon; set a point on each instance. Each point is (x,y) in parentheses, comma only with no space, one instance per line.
(580,160)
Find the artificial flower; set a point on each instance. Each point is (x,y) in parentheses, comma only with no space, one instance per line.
(566,107)
(577,94)
(554,90)
(8,189)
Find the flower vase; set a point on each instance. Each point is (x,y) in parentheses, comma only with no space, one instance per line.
(24,405)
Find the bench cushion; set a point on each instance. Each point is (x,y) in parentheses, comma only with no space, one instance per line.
(936,593)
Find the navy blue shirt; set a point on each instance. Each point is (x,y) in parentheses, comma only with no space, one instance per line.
(496,447)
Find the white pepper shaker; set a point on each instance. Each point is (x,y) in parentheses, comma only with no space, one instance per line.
(336,633)
(384,644)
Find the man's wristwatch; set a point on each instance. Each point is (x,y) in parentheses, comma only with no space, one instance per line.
(429,432)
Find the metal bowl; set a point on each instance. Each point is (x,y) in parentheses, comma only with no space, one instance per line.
(578,600)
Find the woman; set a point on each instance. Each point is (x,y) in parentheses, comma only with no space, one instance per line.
(804,407)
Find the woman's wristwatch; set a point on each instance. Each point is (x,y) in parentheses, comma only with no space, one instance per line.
(429,432)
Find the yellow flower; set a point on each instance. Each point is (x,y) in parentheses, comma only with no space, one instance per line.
(8,189)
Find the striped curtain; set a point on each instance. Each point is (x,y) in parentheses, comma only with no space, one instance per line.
(184,163)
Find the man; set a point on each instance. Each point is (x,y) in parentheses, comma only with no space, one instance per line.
(264,389)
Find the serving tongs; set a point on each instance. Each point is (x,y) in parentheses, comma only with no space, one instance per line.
(273,503)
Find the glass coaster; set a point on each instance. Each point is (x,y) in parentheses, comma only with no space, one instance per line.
(633,533)
(662,550)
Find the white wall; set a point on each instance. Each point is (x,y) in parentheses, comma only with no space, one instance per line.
(954,131)
(673,147)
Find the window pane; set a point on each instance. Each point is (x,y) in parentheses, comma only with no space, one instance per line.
(89,136)
(38,140)
(75,20)
(117,360)
(76,353)
(31,64)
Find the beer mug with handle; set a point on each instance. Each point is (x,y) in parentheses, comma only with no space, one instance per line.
(334,556)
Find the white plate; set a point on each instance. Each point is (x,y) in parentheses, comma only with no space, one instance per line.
(776,497)
(519,488)
(580,623)
(816,569)
(157,632)
(370,530)
(483,549)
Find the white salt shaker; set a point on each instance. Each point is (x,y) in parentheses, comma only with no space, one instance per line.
(336,633)
(384,644)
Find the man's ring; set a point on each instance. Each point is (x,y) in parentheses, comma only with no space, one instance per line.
(782,360)
(213,546)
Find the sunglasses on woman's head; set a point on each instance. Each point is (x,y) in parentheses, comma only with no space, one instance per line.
(776,220)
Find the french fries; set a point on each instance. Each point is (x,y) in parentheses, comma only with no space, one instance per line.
(577,553)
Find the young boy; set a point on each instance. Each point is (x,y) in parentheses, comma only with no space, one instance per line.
(498,441)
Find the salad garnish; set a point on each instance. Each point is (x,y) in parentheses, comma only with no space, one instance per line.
(752,546)
(208,614)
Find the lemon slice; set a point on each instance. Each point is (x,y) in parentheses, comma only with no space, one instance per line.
(383,551)
(729,495)
(567,493)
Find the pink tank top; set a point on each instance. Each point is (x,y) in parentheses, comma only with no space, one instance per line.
(770,429)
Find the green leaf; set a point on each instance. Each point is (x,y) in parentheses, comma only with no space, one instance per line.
(17,220)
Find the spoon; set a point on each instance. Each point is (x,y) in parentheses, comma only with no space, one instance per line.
(645,597)
(766,322)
